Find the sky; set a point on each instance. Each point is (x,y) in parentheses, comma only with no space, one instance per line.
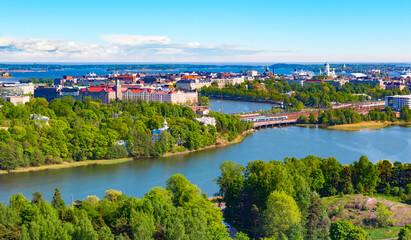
(205,31)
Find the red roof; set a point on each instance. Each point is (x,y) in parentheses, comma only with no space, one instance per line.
(136,90)
(99,89)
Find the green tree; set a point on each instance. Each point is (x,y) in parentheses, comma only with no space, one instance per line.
(142,225)
(203,101)
(281,213)
(366,173)
(241,236)
(183,191)
(84,230)
(340,230)
(37,198)
(58,202)
(303,119)
(312,118)
(405,233)
(231,183)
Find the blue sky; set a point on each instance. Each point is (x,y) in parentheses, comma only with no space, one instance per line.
(205,31)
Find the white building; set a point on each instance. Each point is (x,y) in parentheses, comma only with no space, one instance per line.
(357,75)
(328,71)
(18,99)
(252,73)
(16,89)
(206,120)
(398,101)
(192,84)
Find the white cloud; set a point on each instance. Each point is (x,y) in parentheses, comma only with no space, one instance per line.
(194,44)
(135,40)
(168,51)
(122,48)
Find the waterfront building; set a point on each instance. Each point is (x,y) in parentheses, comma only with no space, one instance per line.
(398,101)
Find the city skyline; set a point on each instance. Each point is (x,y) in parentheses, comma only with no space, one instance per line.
(212,32)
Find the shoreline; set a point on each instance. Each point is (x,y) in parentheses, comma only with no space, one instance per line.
(366,125)
(63,165)
(221,144)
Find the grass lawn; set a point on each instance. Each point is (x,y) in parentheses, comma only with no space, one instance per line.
(383,233)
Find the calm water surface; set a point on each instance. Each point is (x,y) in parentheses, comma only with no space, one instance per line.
(238,107)
(139,176)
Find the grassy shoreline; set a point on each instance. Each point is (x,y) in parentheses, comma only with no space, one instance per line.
(67,165)
(239,139)
(366,125)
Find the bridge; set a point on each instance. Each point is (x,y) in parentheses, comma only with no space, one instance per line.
(276,123)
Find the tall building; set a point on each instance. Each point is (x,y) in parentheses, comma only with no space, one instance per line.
(398,101)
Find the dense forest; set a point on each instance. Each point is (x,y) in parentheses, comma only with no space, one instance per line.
(178,211)
(349,116)
(282,199)
(78,131)
(298,97)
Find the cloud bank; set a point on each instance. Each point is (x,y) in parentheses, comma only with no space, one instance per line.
(117,48)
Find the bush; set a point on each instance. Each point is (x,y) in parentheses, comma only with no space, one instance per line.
(384,217)
(387,189)
(360,188)
(396,191)
(116,151)
(408,188)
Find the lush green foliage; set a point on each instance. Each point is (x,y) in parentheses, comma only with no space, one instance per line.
(349,116)
(247,192)
(178,212)
(405,233)
(89,130)
(320,95)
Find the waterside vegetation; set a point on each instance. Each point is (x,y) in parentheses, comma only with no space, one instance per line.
(75,131)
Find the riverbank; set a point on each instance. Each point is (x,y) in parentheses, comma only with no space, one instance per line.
(220,143)
(366,125)
(67,165)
